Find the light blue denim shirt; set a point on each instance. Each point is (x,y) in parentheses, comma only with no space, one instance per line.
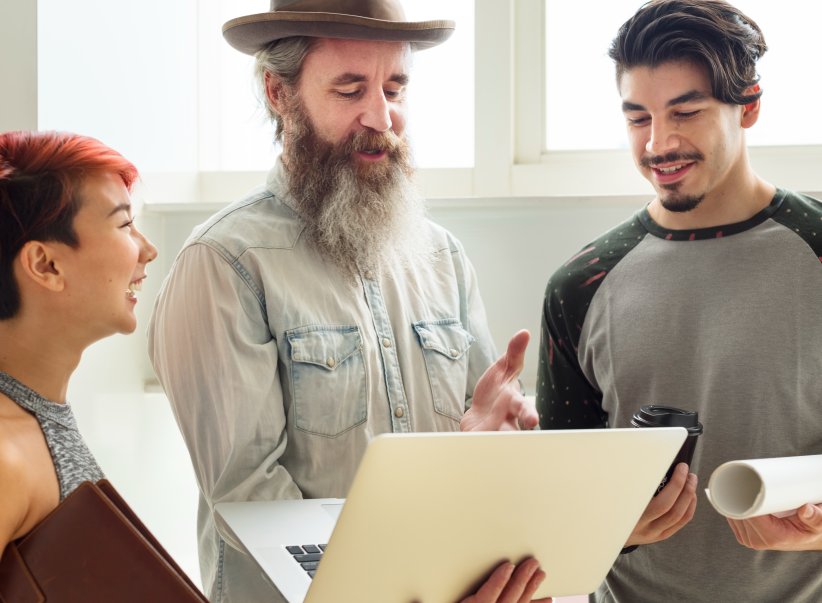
(280,370)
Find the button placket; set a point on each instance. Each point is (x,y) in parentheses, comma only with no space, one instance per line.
(398,405)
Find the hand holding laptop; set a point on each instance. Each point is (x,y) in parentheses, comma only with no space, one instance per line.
(511,584)
(498,403)
(427,511)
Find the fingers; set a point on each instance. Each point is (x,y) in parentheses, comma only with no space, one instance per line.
(491,590)
(682,512)
(801,531)
(514,357)
(670,511)
(811,517)
(523,582)
(747,532)
(510,584)
(498,403)
(737,530)
(528,416)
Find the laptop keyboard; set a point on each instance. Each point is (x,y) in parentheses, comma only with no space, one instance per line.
(307,555)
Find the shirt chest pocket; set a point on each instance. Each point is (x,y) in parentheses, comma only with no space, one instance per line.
(328,380)
(445,344)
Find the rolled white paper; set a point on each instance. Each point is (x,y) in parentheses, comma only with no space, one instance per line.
(747,488)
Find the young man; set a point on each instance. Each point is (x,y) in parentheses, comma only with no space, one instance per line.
(325,308)
(709,300)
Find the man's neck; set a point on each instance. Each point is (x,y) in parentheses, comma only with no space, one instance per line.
(735,202)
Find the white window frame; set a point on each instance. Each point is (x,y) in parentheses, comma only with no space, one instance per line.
(595,173)
(509,126)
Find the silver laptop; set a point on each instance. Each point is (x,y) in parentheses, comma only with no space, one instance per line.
(427,514)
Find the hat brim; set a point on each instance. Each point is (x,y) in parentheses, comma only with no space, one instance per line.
(252,33)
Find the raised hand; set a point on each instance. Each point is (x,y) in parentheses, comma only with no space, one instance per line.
(498,403)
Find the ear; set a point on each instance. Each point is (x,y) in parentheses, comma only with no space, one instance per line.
(750,111)
(39,262)
(275,92)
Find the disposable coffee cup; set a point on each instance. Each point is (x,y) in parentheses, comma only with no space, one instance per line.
(652,415)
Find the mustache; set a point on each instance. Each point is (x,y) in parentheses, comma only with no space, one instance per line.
(672,157)
(369,140)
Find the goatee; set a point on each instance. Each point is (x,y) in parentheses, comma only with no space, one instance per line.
(675,201)
(360,215)
(678,203)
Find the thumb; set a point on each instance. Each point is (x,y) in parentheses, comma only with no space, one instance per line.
(811,516)
(514,357)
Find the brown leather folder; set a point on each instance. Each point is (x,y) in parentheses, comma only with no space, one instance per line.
(92,548)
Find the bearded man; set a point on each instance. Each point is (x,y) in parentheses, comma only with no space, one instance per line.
(324,309)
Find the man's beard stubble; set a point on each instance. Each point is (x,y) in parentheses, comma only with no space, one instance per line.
(359,215)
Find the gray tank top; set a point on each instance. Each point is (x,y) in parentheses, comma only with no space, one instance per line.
(73,460)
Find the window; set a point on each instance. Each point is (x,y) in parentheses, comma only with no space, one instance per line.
(531,109)
(123,72)
(583,90)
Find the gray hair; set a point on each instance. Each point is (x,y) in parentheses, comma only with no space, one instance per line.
(284,59)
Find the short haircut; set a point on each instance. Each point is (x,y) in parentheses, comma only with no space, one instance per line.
(711,33)
(40,174)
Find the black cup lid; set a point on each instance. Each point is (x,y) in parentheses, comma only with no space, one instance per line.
(653,415)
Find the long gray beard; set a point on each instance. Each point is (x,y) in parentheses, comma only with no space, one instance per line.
(371,227)
(360,217)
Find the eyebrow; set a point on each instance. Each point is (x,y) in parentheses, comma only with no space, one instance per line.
(693,95)
(122,207)
(356,78)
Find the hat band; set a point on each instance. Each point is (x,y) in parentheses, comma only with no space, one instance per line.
(384,10)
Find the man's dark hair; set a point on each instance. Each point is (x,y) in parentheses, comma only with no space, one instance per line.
(711,33)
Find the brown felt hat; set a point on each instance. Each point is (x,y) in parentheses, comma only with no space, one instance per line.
(381,20)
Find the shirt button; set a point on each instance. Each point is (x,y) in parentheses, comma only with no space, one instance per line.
(369,275)
(386,343)
(454,353)
(399,412)
(331,362)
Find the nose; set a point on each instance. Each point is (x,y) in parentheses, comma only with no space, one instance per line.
(662,138)
(376,114)
(148,252)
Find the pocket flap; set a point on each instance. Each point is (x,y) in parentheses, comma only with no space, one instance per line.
(444,336)
(324,346)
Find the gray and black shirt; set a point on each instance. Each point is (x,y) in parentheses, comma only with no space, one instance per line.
(726,321)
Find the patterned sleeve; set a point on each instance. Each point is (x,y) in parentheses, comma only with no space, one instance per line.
(565,399)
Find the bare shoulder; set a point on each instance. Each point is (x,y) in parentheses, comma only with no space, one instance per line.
(28,480)
(15,503)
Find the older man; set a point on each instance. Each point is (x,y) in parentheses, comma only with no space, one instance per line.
(325,308)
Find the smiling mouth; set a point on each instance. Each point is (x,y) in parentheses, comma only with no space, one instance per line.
(672,169)
(133,288)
